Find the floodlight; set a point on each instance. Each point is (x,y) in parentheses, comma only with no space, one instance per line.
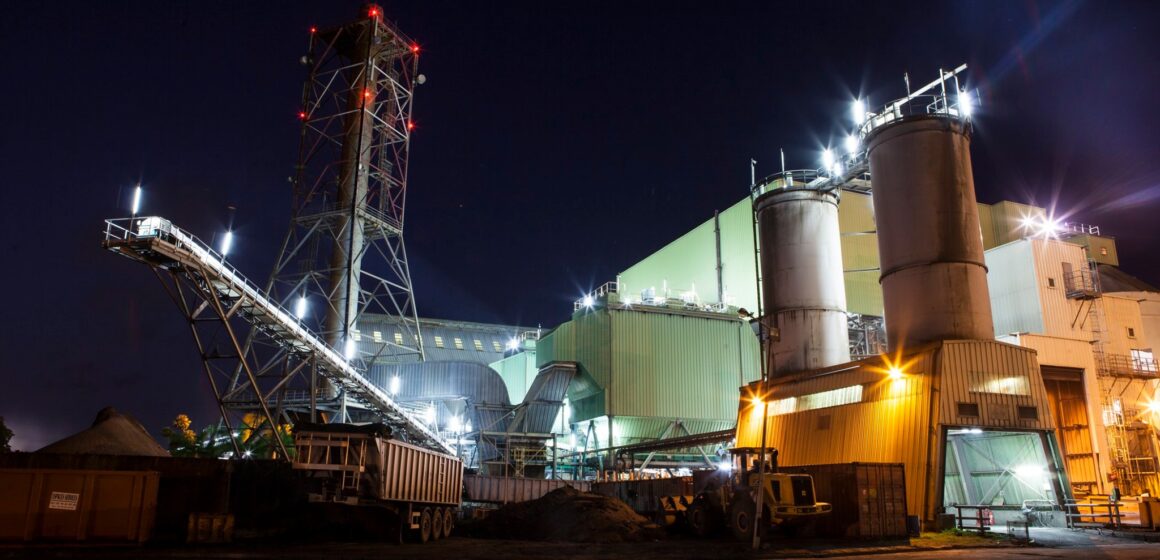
(851,144)
(227,242)
(394,385)
(513,344)
(588,301)
(300,307)
(859,112)
(350,350)
(136,200)
(965,103)
(827,158)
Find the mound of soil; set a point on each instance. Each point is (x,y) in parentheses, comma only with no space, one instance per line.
(570,515)
(112,433)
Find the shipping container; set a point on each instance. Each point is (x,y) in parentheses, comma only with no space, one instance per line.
(503,490)
(868,499)
(77,505)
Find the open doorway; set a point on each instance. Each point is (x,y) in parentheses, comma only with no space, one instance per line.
(1009,472)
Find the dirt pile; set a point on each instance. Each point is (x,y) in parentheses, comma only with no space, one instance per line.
(112,433)
(567,514)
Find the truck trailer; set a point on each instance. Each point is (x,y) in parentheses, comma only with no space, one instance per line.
(362,465)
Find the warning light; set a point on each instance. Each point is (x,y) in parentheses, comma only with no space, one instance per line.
(302,115)
(314,29)
(367,93)
(415,48)
(374,12)
(410,125)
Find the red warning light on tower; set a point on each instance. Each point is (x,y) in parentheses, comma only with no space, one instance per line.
(410,125)
(313,29)
(373,11)
(302,115)
(415,48)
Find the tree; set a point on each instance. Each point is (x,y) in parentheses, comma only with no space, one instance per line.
(5,437)
(254,437)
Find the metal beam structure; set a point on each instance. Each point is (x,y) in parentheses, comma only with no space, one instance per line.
(223,308)
(343,255)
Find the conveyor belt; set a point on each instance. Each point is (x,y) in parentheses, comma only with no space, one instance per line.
(158,243)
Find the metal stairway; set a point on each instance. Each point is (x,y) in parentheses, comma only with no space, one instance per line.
(156,242)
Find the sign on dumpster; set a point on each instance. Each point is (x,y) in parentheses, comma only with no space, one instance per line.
(64,500)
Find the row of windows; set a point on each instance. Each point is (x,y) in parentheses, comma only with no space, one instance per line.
(377,336)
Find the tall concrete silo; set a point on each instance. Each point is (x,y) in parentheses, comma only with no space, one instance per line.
(934,280)
(802,281)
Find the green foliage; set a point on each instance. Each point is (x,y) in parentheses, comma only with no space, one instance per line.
(5,437)
(254,437)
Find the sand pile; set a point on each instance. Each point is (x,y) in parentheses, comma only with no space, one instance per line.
(112,433)
(567,514)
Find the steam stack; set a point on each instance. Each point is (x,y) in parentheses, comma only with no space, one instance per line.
(802,281)
(934,280)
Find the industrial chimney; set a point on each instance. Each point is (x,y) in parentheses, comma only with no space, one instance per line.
(802,281)
(934,280)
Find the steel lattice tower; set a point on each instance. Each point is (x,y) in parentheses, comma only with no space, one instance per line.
(344,255)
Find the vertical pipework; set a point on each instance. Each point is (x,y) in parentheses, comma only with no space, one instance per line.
(930,245)
(346,256)
(802,280)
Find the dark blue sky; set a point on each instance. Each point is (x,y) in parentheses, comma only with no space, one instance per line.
(557,143)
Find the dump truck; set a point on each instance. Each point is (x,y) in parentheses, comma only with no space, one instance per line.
(727,498)
(362,465)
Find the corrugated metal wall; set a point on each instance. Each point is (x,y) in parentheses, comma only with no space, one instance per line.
(677,366)
(968,367)
(901,421)
(1011,281)
(860,254)
(1074,353)
(690,260)
(518,371)
(1061,316)
(892,424)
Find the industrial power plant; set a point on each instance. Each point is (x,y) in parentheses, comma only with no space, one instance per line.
(857,350)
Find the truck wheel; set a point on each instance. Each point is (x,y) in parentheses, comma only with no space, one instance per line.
(448,522)
(425,525)
(436,524)
(741,516)
(697,516)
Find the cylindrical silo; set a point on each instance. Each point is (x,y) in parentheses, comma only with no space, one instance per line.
(802,281)
(934,278)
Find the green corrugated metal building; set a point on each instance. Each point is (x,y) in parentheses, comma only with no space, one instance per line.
(646,366)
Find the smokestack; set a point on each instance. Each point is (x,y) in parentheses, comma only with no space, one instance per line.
(934,278)
(802,280)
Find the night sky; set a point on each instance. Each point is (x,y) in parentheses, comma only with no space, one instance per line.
(557,143)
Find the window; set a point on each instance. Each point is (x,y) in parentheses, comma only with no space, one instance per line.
(1131,332)
(1051,282)
(378,336)
(824,399)
(1028,413)
(1104,251)
(458,343)
(495,344)
(354,334)
(982,382)
(478,345)
(1144,361)
(968,409)
(398,338)
(438,341)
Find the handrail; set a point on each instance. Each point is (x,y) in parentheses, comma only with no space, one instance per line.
(160,232)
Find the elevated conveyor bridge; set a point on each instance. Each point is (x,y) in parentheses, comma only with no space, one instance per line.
(218,301)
